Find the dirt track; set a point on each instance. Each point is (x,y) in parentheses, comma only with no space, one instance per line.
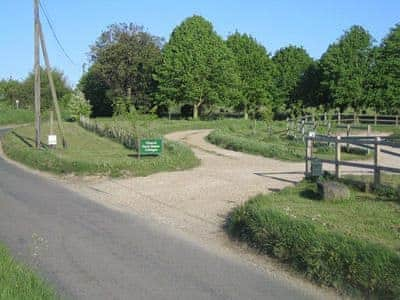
(194,203)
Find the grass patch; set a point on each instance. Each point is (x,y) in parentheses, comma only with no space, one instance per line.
(18,282)
(273,142)
(258,138)
(9,115)
(352,245)
(89,154)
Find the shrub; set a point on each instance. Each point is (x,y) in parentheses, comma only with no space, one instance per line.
(78,106)
(324,256)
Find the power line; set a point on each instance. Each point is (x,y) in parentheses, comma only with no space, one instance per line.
(46,14)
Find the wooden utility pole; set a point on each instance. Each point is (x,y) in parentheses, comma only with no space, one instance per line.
(52,86)
(37,74)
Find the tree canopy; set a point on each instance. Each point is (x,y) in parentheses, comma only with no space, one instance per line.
(345,67)
(386,79)
(256,71)
(198,68)
(292,63)
(124,58)
(24,90)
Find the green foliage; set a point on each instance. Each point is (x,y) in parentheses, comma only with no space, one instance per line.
(24,90)
(385,81)
(124,58)
(96,90)
(197,67)
(345,67)
(291,62)
(78,106)
(10,115)
(256,72)
(18,282)
(323,240)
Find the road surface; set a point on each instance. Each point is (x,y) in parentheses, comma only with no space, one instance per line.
(89,251)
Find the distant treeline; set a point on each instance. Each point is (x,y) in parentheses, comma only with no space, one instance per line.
(196,72)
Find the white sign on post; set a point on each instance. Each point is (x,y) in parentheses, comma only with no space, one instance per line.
(52,140)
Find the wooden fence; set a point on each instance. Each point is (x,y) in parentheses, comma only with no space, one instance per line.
(343,118)
(115,133)
(300,127)
(369,142)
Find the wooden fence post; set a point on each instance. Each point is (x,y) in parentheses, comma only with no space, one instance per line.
(309,145)
(368,134)
(339,118)
(337,157)
(325,117)
(377,171)
(288,127)
(348,135)
(375,119)
(397,120)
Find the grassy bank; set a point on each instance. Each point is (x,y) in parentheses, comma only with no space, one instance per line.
(89,154)
(10,115)
(352,245)
(18,282)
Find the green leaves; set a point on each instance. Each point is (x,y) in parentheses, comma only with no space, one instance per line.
(197,66)
(78,106)
(345,67)
(125,57)
(292,63)
(256,72)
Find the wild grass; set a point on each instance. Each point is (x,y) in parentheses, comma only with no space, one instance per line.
(19,282)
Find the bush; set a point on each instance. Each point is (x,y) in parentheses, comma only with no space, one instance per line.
(78,106)
(326,257)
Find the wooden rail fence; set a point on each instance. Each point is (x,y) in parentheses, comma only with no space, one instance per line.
(374,143)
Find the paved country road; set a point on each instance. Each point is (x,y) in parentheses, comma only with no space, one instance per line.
(91,252)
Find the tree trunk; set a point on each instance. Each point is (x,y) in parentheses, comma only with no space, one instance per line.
(246,112)
(195,111)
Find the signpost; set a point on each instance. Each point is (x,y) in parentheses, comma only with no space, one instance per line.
(150,147)
(52,142)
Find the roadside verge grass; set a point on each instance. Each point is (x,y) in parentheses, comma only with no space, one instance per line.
(89,154)
(352,245)
(18,282)
(12,116)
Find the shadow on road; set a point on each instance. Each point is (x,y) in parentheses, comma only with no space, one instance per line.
(272,175)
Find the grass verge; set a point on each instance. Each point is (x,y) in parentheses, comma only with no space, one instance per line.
(89,154)
(352,245)
(18,282)
(9,115)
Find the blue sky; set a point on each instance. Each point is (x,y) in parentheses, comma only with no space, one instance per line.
(275,24)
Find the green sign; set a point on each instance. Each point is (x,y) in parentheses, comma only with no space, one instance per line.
(150,146)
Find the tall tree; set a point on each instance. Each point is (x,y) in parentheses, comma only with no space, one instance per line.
(292,63)
(256,72)
(96,91)
(25,91)
(345,66)
(198,68)
(126,55)
(386,75)
(308,91)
